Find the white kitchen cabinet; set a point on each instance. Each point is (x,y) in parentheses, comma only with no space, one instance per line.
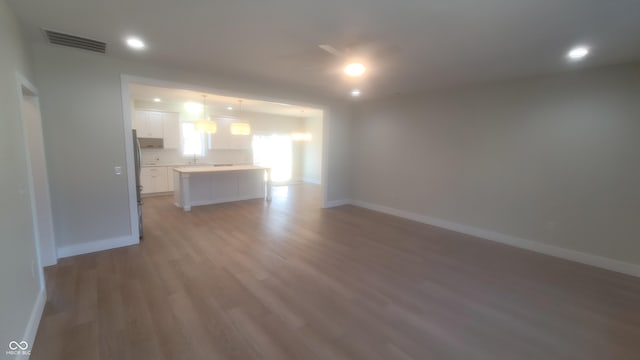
(158,124)
(148,123)
(154,179)
(171,130)
(203,185)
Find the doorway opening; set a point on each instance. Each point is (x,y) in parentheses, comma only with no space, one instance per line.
(37,172)
(286,137)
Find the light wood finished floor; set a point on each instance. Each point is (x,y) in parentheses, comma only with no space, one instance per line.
(288,280)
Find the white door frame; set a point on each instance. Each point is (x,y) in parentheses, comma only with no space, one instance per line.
(46,252)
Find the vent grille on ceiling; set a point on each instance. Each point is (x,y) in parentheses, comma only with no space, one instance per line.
(75,41)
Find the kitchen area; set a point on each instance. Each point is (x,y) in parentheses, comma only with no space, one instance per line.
(199,148)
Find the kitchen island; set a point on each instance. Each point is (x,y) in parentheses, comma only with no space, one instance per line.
(205,185)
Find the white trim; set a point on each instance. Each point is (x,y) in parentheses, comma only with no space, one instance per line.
(129,157)
(23,82)
(568,254)
(34,320)
(327,116)
(312,180)
(335,203)
(98,245)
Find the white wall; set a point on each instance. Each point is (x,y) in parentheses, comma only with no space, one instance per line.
(312,172)
(19,288)
(553,160)
(84,137)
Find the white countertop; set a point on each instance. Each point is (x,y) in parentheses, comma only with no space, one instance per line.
(163,165)
(211,169)
(177,165)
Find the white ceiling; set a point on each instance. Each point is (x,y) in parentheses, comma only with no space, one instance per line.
(218,103)
(407,44)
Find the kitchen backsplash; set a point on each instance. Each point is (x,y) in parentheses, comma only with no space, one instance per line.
(167,156)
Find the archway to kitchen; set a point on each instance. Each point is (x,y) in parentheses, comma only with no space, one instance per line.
(180,125)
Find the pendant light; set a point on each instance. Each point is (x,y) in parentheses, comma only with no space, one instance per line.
(205,125)
(240,128)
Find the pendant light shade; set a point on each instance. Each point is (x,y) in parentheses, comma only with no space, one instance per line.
(240,128)
(205,125)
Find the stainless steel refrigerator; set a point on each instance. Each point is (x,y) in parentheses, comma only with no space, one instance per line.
(137,162)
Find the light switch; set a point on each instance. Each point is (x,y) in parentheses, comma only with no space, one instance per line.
(118,170)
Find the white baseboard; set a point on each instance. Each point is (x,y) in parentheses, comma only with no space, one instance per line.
(334,203)
(99,245)
(34,321)
(312,181)
(568,254)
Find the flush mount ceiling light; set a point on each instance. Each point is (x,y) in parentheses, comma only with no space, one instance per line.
(355,92)
(354,69)
(578,53)
(205,125)
(229,108)
(157,100)
(135,43)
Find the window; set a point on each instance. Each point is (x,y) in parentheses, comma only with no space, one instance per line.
(192,141)
(274,151)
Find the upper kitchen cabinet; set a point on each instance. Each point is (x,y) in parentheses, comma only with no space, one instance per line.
(148,123)
(158,124)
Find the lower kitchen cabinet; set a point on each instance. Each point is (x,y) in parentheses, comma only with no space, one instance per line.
(155,180)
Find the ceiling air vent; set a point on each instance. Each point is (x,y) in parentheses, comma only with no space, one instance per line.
(75,41)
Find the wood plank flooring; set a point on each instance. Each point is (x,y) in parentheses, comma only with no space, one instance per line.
(289,280)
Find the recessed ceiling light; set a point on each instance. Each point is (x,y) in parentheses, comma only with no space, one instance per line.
(157,100)
(229,107)
(354,69)
(578,53)
(355,92)
(135,43)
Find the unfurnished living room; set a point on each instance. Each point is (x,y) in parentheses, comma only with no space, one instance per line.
(438,179)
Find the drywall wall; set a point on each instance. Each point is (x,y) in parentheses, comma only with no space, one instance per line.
(313,151)
(553,159)
(19,284)
(84,136)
